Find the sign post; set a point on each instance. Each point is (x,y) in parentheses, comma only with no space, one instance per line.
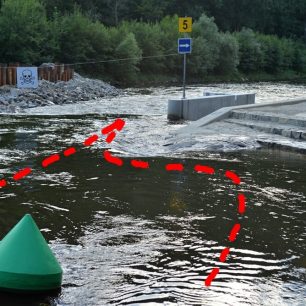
(184,45)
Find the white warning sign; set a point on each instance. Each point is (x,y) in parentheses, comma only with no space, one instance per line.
(27,77)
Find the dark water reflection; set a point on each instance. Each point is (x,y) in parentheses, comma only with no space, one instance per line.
(148,237)
(127,236)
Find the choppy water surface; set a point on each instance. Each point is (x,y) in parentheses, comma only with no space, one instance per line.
(148,237)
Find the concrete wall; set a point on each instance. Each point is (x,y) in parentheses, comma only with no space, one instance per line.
(225,113)
(196,108)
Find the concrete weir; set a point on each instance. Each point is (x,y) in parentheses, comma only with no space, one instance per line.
(195,108)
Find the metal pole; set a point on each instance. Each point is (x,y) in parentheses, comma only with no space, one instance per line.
(184,77)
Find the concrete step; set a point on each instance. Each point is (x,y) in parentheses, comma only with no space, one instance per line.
(268,117)
(286,130)
(297,146)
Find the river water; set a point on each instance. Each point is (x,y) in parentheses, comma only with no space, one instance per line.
(127,236)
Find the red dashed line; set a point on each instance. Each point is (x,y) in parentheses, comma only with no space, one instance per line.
(211,276)
(110,137)
(118,125)
(113,160)
(233,176)
(234,232)
(174,167)
(139,164)
(91,140)
(224,254)
(241,203)
(69,152)
(21,174)
(204,169)
(50,160)
(3,183)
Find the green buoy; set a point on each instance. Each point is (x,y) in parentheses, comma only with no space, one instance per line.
(27,264)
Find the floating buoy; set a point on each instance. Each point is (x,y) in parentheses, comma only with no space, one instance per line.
(27,263)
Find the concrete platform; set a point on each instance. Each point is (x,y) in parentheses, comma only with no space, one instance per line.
(279,125)
(196,108)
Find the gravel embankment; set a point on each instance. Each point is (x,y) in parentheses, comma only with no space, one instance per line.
(13,100)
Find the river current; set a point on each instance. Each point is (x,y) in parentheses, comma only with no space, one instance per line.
(127,236)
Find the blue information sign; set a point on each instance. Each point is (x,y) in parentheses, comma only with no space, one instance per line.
(184,45)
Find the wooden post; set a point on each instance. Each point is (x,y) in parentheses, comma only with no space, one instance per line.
(52,73)
(61,72)
(1,75)
(69,74)
(14,73)
(45,73)
(9,76)
(4,70)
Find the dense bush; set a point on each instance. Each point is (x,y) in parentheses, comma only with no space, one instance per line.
(229,55)
(129,54)
(168,40)
(148,37)
(206,46)
(25,34)
(251,54)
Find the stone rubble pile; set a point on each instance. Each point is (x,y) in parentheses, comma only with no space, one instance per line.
(14,100)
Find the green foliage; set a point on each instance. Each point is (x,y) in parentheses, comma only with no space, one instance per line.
(229,55)
(125,70)
(206,49)
(72,32)
(25,35)
(250,52)
(299,63)
(82,40)
(168,40)
(213,50)
(148,37)
(148,9)
(276,17)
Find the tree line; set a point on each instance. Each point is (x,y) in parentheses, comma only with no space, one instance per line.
(280,17)
(32,32)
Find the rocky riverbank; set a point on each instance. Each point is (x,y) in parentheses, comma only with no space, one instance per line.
(13,100)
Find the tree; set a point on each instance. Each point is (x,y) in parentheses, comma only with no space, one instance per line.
(64,7)
(168,40)
(272,53)
(206,46)
(25,35)
(148,37)
(250,52)
(299,63)
(126,55)
(81,39)
(148,10)
(229,54)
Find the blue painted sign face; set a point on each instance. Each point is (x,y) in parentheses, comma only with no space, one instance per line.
(184,45)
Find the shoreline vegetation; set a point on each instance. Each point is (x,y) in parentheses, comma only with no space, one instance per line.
(155,80)
(147,48)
